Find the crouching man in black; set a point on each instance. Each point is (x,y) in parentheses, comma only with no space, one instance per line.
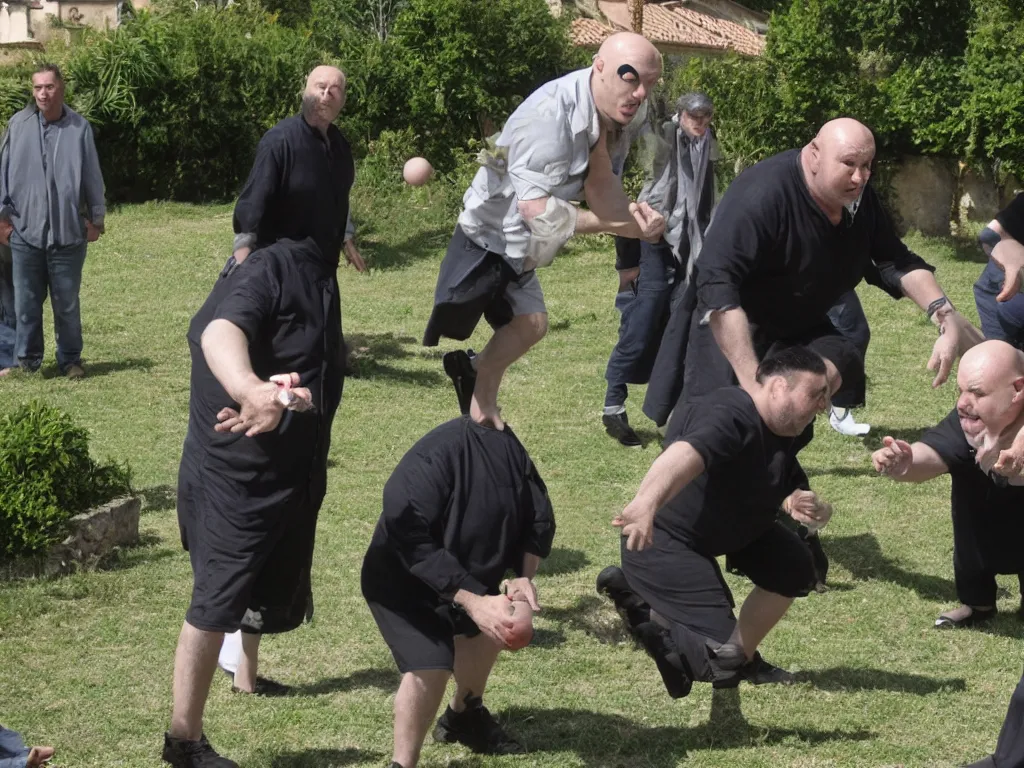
(464,506)
(729,466)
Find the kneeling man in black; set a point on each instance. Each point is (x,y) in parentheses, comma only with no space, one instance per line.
(464,506)
(728,467)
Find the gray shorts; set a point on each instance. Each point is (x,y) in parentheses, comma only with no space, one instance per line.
(474,283)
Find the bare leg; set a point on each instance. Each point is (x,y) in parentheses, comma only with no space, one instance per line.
(245,675)
(761,611)
(416,704)
(508,344)
(474,659)
(194,663)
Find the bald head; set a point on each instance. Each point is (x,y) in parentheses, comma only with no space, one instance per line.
(837,163)
(324,96)
(627,66)
(991,381)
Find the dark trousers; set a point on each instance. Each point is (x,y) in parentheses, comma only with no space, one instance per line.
(643,306)
(985,544)
(8,324)
(847,315)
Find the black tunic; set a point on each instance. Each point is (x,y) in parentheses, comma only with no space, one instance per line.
(283,298)
(461,508)
(988,513)
(772,251)
(298,187)
(748,471)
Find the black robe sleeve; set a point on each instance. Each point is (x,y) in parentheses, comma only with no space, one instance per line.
(890,256)
(259,192)
(253,296)
(1011,218)
(416,499)
(541,532)
(947,439)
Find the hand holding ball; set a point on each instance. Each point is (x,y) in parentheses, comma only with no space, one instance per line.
(417,171)
(522,620)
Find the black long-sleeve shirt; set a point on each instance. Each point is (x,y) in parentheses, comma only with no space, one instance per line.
(462,508)
(772,251)
(298,187)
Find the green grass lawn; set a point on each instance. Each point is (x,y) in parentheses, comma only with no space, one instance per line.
(85,661)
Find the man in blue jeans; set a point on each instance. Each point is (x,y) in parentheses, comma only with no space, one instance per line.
(682,189)
(51,207)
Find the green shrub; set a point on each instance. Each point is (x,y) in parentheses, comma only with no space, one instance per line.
(47,476)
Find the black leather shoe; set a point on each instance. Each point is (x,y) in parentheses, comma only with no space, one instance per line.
(458,365)
(182,753)
(617,425)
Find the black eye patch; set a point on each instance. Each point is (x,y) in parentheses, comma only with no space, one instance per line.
(627,69)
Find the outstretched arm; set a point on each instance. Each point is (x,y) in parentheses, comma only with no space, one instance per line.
(677,466)
(908,463)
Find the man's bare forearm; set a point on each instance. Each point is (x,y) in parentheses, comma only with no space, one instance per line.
(731,329)
(226,350)
(588,223)
(672,471)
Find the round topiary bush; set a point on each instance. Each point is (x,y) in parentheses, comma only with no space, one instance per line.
(47,477)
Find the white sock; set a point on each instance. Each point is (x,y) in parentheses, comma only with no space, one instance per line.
(230,652)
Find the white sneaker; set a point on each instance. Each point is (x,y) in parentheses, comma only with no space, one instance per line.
(842,421)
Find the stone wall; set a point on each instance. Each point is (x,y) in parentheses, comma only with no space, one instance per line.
(939,196)
(91,535)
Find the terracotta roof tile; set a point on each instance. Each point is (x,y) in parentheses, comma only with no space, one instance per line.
(672,25)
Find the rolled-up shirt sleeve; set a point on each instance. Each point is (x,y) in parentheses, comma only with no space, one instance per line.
(1011,218)
(416,498)
(890,255)
(539,155)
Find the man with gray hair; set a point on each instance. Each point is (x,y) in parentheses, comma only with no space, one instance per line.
(682,188)
(51,190)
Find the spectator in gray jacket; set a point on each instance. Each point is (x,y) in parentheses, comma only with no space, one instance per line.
(51,190)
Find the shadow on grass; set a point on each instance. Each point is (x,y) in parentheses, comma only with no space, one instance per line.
(367,353)
(649,437)
(873,440)
(548,638)
(969,251)
(863,558)
(855,679)
(159,498)
(866,471)
(384,256)
(103,367)
(594,616)
(147,550)
(562,561)
(601,740)
(384,679)
(325,758)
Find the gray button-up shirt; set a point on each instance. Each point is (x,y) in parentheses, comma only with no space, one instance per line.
(548,141)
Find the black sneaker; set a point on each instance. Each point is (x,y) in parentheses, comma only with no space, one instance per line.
(674,674)
(730,666)
(458,365)
(611,582)
(617,425)
(182,753)
(477,729)
(760,672)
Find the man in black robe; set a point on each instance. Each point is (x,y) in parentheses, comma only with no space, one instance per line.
(728,467)
(266,381)
(298,187)
(791,236)
(464,506)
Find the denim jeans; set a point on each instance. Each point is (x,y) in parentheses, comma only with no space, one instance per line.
(7,312)
(999,320)
(13,752)
(35,271)
(643,306)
